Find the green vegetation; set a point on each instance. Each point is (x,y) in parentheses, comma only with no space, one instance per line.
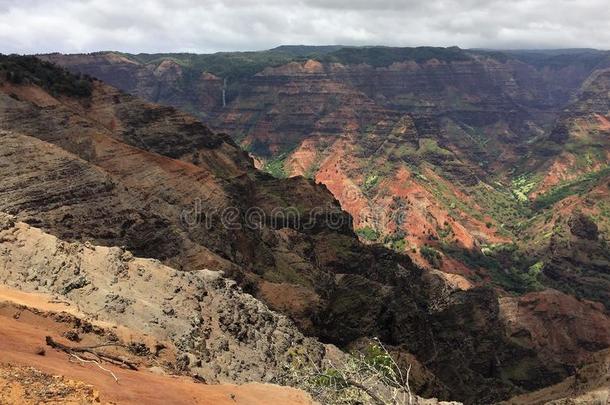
(399,245)
(445,231)
(578,186)
(367,376)
(502,205)
(368,233)
(312,170)
(379,56)
(559,58)
(396,241)
(230,65)
(370,183)
(431,255)
(429,146)
(239,66)
(236,65)
(602,218)
(275,166)
(508,266)
(523,185)
(443,194)
(31,70)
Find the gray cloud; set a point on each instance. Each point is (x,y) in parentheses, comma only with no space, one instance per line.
(32,26)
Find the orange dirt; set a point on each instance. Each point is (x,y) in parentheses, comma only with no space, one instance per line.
(32,93)
(332,174)
(20,339)
(302,159)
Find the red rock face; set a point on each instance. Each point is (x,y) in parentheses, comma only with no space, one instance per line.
(278,109)
(549,320)
(583,133)
(435,135)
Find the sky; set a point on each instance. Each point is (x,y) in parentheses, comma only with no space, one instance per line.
(204,26)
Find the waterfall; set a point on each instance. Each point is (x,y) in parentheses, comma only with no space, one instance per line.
(224,91)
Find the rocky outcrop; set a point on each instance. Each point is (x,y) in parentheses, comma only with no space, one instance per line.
(220,333)
(583,227)
(163,82)
(215,332)
(541,320)
(590,385)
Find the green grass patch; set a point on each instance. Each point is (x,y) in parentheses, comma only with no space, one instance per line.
(524,184)
(578,186)
(275,166)
(508,267)
(370,182)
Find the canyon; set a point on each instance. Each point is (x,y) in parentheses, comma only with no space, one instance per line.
(461,159)
(451,203)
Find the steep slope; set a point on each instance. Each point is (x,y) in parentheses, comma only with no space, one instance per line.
(199,315)
(33,373)
(160,183)
(590,385)
(569,192)
(450,131)
(578,145)
(164,324)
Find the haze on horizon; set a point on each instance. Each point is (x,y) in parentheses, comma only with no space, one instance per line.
(204,26)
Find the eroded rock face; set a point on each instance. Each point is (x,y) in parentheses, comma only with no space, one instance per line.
(583,227)
(542,320)
(590,385)
(162,83)
(441,129)
(220,333)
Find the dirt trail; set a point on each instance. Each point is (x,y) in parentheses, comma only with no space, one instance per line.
(21,336)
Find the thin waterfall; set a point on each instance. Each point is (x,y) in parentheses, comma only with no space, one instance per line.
(224,91)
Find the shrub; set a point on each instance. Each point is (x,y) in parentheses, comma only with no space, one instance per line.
(371,376)
(368,233)
(431,255)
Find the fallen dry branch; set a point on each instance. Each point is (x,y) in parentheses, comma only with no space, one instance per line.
(92,350)
(66,303)
(96,363)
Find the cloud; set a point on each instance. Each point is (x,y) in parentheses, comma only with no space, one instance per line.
(33,26)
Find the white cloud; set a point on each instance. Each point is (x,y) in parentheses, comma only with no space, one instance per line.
(32,26)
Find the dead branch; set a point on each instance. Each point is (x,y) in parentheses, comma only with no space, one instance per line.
(91,350)
(367,390)
(96,363)
(66,303)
